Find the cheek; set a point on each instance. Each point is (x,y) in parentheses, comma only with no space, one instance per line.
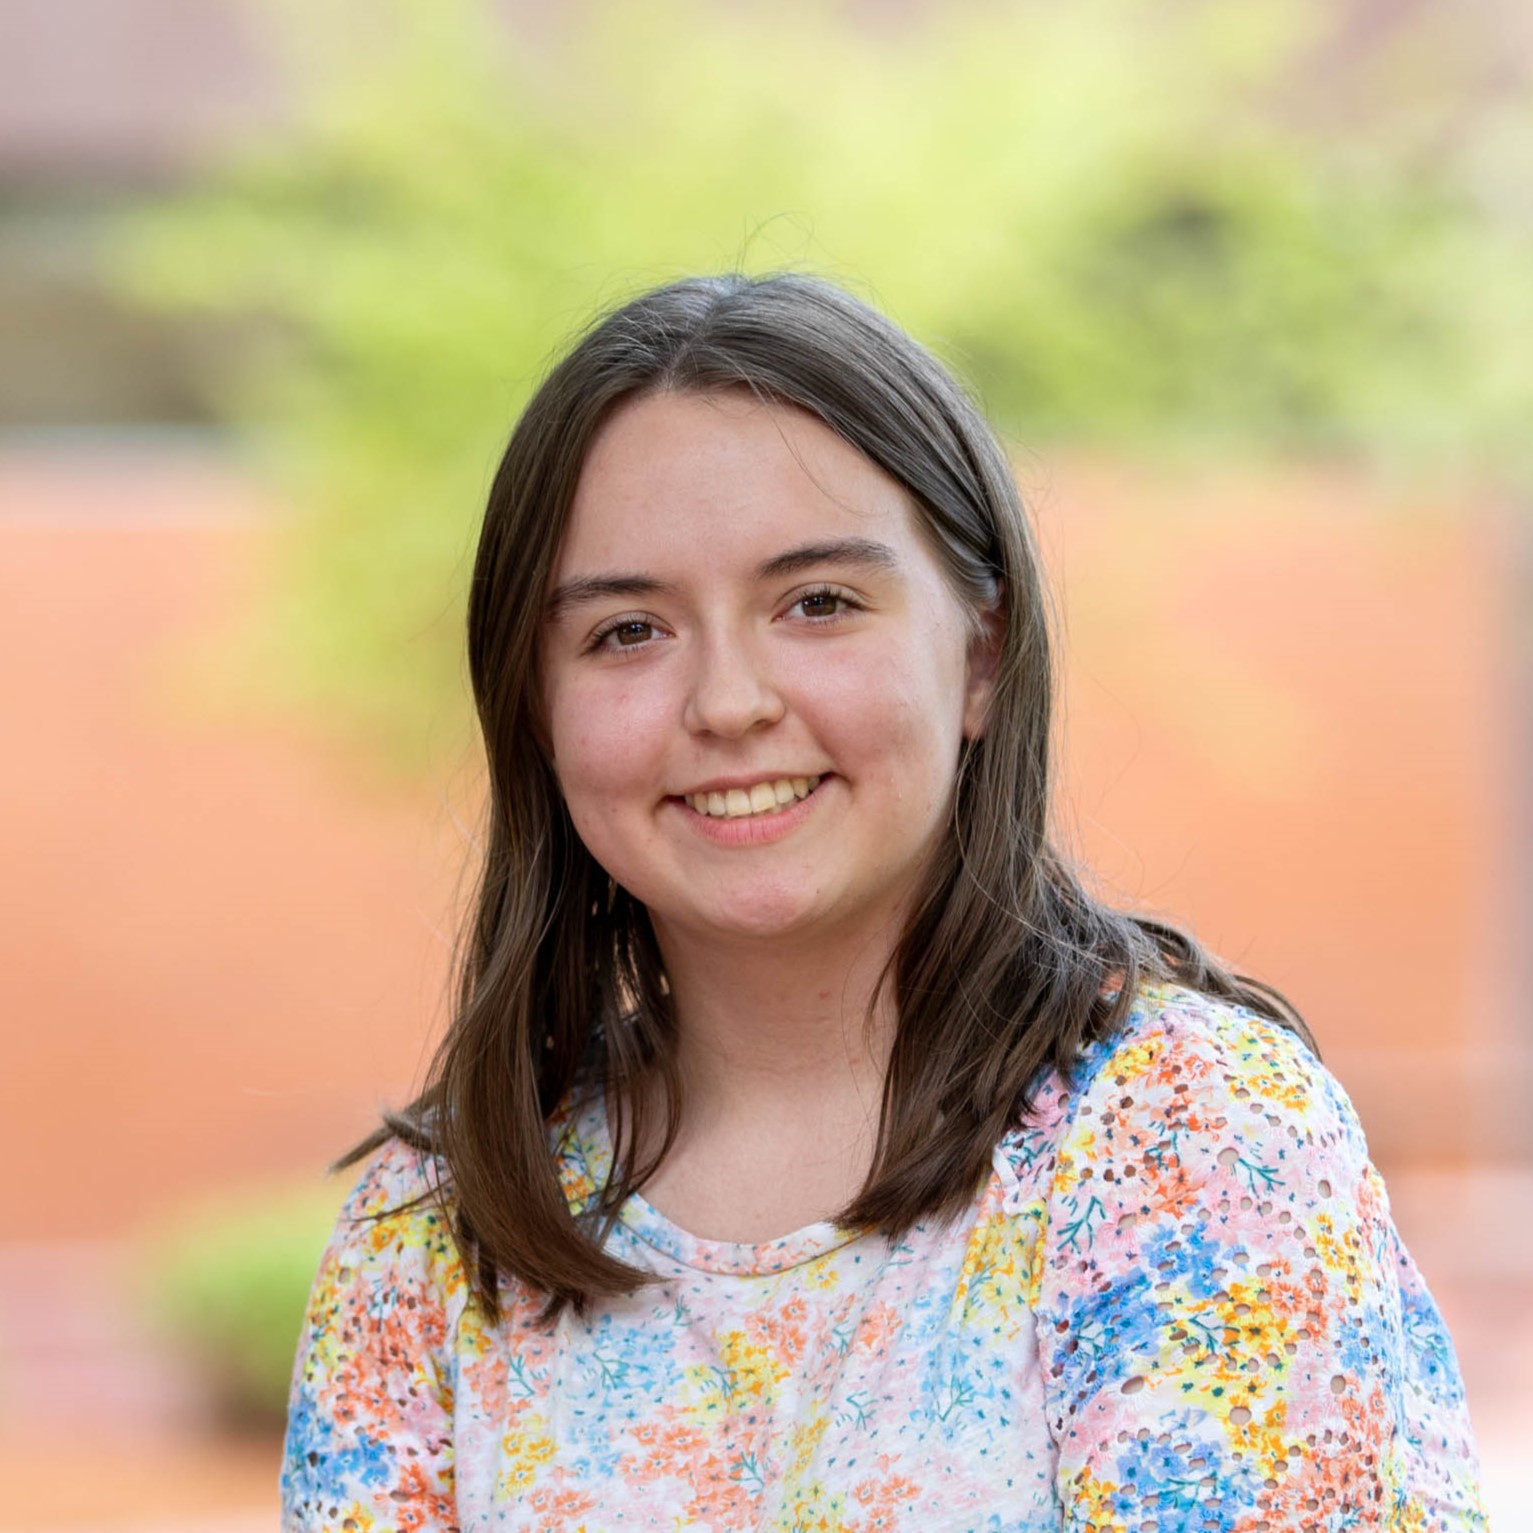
(897,721)
(603,738)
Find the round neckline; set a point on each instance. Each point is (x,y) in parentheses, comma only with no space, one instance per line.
(734,1258)
(737,1258)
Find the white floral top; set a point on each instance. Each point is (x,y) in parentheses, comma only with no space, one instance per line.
(1178,1303)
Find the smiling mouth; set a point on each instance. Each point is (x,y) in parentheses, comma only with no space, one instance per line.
(762,798)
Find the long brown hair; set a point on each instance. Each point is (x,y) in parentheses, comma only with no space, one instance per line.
(1007,965)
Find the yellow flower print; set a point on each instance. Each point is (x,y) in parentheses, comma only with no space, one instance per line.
(1342,1255)
(1002,1267)
(822,1274)
(707,1392)
(1137,1060)
(524,1449)
(1093,1503)
(809,1508)
(804,1439)
(576,1183)
(1255,1335)
(753,1369)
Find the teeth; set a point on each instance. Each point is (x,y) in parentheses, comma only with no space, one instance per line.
(761,798)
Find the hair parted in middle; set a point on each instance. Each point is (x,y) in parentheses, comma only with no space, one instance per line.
(1007,964)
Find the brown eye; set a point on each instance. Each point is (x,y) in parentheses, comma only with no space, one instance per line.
(625,633)
(820,604)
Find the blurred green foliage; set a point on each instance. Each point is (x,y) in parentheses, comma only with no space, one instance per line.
(1136,224)
(227,1284)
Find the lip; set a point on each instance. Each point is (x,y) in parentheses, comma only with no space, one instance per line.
(749,830)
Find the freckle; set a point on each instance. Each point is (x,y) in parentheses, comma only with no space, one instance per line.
(1134,1385)
(1239,1416)
(1338,1384)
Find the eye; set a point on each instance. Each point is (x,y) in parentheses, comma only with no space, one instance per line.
(623,633)
(824,604)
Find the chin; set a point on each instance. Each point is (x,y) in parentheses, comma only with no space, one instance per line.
(761,914)
(761,921)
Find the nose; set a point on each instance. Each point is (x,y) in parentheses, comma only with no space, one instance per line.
(731,692)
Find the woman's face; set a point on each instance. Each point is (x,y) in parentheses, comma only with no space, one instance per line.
(756,679)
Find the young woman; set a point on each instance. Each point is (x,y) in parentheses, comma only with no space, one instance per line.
(809,1149)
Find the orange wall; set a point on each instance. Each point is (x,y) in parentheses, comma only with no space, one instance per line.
(220,951)
(1286,716)
(1293,718)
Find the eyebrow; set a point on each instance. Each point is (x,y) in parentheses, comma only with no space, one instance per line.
(861,553)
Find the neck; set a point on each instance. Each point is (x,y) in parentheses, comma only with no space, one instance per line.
(764,1029)
(783,1073)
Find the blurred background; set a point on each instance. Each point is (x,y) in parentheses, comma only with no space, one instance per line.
(1249,291)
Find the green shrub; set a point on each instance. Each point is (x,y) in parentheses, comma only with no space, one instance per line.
(1134,225)
(226,1284)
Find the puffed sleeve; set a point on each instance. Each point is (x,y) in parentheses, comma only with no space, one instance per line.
(369,1438)
(1232,1336)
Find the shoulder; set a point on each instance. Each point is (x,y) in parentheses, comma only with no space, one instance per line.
(1184,1054)
(579,1143)
(392,1178)
(1169,1026)
(394,1234)
(1218,1270)
(1199,1104)
(1188,1087)
(372,1386)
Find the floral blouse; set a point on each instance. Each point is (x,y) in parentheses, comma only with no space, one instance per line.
(1177,1303)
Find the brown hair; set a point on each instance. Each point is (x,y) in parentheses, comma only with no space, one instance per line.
(1007,965)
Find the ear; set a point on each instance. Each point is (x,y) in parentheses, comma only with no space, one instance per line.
(984,665)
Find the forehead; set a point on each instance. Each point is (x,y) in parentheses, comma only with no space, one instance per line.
(677,472)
